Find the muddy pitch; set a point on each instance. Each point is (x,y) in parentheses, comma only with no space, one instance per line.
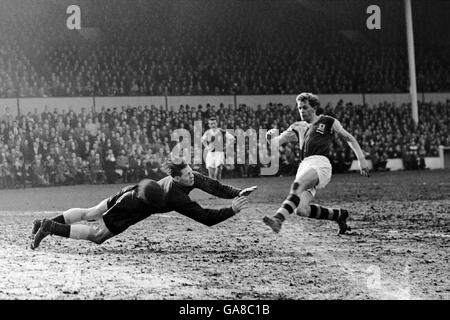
(399,248)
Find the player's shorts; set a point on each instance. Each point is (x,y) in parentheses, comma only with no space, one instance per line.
(321,165)
(215,159)
(112,200)
(124,210)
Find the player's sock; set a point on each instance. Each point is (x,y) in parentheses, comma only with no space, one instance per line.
(59,229)
(59,219)
(279,216)
(288,206)
(319,212)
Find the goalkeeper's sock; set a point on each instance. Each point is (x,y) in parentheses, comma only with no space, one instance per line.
(59,229)
(319,212)
(288,206)
(59,219)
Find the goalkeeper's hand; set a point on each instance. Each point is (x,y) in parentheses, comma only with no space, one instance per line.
(245,192)
(239,203)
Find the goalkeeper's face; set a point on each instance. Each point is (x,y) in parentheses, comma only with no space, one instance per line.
(306,111)
(186,177)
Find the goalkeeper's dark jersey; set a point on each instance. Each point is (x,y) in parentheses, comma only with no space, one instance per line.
(177,199)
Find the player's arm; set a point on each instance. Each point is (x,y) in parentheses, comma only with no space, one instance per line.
(214,187)
(350,139)
(210,217)
(205,136)
(286,136)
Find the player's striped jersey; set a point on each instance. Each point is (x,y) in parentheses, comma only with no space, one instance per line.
(216,139)
(313,139)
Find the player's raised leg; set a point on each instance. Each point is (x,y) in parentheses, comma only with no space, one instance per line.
(306,180)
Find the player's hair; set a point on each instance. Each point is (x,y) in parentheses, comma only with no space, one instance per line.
(309,97)
(212,119)
(151,192)
(174,166)
(312,99)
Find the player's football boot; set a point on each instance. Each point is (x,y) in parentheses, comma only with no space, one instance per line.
(43,231)
(342,222)
(273,223)
(36,226)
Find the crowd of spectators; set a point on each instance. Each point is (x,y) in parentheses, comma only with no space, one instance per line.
(197,48)
(386,131)
(127,144)
(201,47)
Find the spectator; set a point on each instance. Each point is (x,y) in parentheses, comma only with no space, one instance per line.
(421,156)
(145,148)
(85,171)
(6,174)
(50,169)
(19,172)
(62,175)
(38,177)
(379,161)
(110,167)
(341,162)
(123,165)
(97,172)
(288,165)
(91,129)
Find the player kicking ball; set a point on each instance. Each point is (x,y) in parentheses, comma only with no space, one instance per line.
(135,203)
(314,135)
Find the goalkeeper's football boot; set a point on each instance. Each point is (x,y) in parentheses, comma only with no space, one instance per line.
(44,230)
(342,222)
(274,223)
(36,226)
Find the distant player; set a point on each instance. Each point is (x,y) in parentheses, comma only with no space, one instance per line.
(128,207)
(215,138)
(314,135)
